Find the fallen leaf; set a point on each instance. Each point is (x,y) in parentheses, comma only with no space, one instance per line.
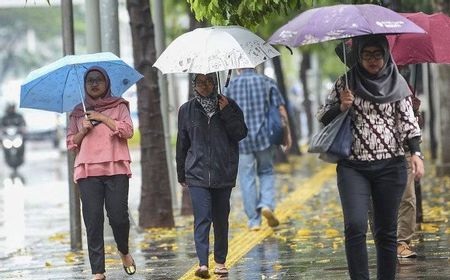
(331,233)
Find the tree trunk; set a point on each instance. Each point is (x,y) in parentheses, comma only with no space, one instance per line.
(155,209)
(443,103)
(443,154)
(305,65)
(293,120)
(74,192)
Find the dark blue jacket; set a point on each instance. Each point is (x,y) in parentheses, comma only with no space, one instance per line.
(207,148)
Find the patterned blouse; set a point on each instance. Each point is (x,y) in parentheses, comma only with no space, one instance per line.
(379,130)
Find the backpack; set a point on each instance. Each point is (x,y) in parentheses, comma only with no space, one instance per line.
(275,128)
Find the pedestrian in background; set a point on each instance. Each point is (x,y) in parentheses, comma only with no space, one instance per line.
(210,127)
(254,92)
(407,210)
(102,167)
(12,118)
(375,172)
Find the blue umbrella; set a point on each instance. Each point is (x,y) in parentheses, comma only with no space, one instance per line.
(59,86)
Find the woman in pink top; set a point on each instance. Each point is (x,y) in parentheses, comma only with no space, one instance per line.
(102,166)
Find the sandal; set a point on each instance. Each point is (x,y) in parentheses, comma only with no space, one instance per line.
(103,278)
(221,270)
(202,273)
(130,270)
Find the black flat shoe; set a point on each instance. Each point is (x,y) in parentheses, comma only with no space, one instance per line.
(130,270)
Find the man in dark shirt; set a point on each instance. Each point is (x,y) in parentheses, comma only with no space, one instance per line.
(12,118)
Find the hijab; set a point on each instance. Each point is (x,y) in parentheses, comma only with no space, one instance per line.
(386,86)
(102,103)
(209,103)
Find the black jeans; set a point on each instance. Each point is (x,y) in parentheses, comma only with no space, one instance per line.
(111,191)
(384,181)
(210,206)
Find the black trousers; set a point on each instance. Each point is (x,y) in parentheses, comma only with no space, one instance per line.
(210,206)
(111,192)
(384,181)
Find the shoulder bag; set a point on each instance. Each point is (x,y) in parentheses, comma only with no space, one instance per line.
(333,141)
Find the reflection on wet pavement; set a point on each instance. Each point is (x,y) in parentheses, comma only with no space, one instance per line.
(13,214)
(307,245)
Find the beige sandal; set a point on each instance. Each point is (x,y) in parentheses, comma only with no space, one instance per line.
(221,270)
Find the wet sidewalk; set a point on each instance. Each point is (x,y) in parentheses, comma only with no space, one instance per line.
(307,245)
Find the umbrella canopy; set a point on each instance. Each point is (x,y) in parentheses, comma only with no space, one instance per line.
(339,22)
(431,47)
(214,49)
(59,86)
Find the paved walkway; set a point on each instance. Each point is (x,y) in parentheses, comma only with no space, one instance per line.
(307,245)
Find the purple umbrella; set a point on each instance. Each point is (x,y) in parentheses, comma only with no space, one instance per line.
(341,21)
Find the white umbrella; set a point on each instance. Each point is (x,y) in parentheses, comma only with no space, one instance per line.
(214,49)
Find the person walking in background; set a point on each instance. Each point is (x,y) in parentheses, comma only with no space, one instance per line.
(375,172)
(407,210)
(210,127)
(253,92)
(102,167)
(12,118)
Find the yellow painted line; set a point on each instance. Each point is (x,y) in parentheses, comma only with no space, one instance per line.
(242,243)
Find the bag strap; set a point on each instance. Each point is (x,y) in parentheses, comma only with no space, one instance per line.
(268,88)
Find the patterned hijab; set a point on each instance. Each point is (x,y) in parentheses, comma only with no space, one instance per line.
(209,103)
(100,104)
(385,87)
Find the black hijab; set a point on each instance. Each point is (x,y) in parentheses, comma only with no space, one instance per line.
(385,87)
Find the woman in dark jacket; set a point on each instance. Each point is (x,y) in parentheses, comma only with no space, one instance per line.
(375,172)
(209,129)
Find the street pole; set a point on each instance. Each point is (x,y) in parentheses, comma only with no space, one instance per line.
(74,195)
(109,18)
(92,19)
(160,45)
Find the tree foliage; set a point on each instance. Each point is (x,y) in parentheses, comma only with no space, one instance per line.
(176,16)
(247,13)
(39,41)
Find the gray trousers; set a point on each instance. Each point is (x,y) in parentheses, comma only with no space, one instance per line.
(112,193)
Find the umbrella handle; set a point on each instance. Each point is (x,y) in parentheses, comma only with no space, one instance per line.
(218,83)
(228,78)
(345,64)
(81,94)
(415,78)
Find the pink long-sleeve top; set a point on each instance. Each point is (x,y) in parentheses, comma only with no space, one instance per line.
(102,152)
